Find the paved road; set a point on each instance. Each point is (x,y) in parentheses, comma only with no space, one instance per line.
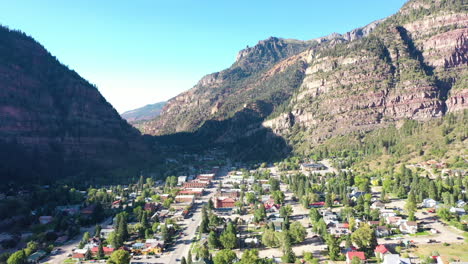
(67,248)
(182,245)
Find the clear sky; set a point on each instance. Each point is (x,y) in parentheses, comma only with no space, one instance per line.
(144,51)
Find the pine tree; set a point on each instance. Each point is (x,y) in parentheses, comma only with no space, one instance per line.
(100,253)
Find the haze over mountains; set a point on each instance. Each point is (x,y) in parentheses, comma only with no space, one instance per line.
(279,96)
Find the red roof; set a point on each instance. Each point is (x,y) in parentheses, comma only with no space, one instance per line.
(381,249)
(318,204)
(106,249)
(78,256)
(359,254)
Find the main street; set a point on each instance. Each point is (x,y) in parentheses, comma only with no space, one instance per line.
(182,244)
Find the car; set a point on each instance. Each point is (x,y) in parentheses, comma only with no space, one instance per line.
(69,255)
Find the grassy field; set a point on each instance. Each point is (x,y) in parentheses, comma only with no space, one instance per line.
(452,250)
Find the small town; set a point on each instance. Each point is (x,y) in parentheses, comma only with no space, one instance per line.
(288,212)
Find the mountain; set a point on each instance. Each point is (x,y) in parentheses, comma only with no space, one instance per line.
(146,112)
(53,123)
(411,65)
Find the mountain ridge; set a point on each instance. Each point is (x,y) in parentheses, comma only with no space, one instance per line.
(409,65)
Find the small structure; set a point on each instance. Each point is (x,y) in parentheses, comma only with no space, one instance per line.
(355,254)
(382,231)
(409,227)
(395,259)
(429,203)
(380,251)
(35,257)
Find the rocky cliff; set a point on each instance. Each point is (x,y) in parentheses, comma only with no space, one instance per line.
(412,65)
(52,121)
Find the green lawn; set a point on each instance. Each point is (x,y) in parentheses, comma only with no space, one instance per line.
(69,261)
(452,250)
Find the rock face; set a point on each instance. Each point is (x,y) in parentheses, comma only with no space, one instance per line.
(412,65)
(51,116)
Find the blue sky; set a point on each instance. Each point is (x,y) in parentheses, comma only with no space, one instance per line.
(144,51)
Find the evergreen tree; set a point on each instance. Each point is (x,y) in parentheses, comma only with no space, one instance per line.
(100,253)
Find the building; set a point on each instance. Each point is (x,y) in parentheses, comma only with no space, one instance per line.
(181,180)
(207,176)
(184,199)
(107,250)
(317,204)
(429,203)
(36,256)
(378,205)
(380,251)
(194,184)
(382,231)
(105,232)
(224,202)
(355,254)
(458,211)
(395,259)
(409,227)
(198,192)
(313,167)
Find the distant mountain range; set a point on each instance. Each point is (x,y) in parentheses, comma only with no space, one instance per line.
(146,112)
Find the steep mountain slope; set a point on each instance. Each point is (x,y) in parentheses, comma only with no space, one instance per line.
(268,72)
(146,112)
(412,65)
(53,122)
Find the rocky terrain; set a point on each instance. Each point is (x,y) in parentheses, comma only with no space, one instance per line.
(412,65)
(53,120)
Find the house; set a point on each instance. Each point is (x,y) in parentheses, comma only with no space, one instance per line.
(107,250)
(382,231)
(380,251)
(78,256)
(355,254)
(89,210)
(393,220)
(395,259)
(35,257)
(461,203)
(458,211)
(317,204)
(429,203)
(251,242)
(105,232)
(387,213)
(154,246)
(409,227)
(339,231)
(378,205)
(45,219)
